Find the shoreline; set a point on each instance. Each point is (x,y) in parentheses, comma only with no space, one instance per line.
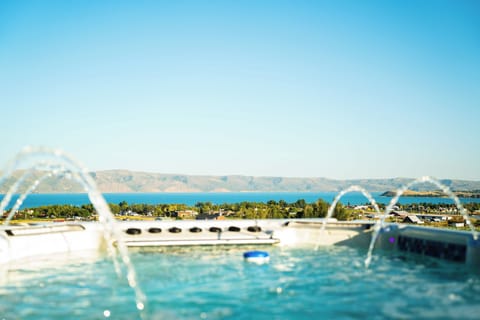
(433,194)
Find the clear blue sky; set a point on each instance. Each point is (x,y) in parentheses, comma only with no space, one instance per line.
(337,89)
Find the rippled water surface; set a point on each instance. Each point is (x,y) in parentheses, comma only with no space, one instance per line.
(216,283)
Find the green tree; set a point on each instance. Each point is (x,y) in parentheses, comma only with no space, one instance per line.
(308,212)
(115,208)
(340,213)
(123,205)
(320,208)
(300,203)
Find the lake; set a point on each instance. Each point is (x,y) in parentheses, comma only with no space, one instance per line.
(355,198)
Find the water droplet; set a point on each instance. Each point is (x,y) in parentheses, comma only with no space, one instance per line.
(106,313)
(131,280)
(453,297)
(140,306)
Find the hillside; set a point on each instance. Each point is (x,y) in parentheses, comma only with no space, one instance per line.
(113,181)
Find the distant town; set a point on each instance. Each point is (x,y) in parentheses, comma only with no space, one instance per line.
(437,215)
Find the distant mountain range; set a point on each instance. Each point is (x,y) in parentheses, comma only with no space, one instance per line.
(115,181)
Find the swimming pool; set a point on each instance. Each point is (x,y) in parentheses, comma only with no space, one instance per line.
(216,283)
(315,270)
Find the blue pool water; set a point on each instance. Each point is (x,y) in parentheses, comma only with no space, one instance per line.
(216,283)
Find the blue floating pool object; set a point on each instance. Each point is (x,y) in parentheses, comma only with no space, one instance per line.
(259,257)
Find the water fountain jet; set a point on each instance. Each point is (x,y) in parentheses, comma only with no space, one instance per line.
(379,225)
(331,208)
(81,175)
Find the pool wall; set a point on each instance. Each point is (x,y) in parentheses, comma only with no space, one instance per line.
(27,241)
